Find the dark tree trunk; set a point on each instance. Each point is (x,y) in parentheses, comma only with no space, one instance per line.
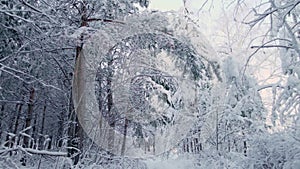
(41,138)
(1,122)
(74,133)
(124,137)
(29,116)
(16,126)
(110,112)
(19,110)
(34,131)
(77,131)
(60,128)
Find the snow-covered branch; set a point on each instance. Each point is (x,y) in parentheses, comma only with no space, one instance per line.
(33,151)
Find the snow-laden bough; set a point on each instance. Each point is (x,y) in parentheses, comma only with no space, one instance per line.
(137,86)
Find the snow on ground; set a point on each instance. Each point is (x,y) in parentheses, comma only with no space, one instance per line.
(176,162)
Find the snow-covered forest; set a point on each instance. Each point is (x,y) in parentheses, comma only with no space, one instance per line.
(212,85)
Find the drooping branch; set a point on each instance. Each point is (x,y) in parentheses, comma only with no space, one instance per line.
(272,46)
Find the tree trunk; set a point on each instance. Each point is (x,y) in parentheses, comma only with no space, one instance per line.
(1,122)
(74,132)
(19,110)
(34,131)
(217,130)
(112,119)
(124,137)
(244,144)
(41,138)
(29,116)
(77,131)
(60,128)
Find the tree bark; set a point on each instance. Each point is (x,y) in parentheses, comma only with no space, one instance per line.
(77,131)
(42,126)
(29,116)
(34,131)
(124,137)
(1,121)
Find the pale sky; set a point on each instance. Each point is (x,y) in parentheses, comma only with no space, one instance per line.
(206,17)
(166,5)
(194,5)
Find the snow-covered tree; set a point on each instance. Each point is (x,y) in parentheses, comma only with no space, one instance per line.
(41,40)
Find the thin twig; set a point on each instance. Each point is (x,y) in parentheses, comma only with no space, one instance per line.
(104,20)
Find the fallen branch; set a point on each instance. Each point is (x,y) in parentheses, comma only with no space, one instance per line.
(34,151)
